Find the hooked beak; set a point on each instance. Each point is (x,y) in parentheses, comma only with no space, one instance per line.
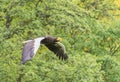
(59,39)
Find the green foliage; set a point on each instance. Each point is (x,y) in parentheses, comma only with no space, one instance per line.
(111,68)
(97,8)
(66,71)
(93,46)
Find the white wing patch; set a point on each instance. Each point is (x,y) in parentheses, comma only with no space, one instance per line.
(30,49)
(37,43)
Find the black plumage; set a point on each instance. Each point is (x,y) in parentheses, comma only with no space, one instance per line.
(58,50)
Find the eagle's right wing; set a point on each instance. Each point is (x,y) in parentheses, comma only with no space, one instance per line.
(59,49)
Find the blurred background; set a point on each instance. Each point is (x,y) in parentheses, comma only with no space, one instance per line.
(90,30)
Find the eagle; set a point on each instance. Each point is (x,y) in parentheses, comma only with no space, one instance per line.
(52,43)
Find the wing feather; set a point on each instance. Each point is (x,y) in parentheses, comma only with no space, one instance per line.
(30,49)
(59,49)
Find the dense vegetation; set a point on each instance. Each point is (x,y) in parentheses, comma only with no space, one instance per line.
(90,30)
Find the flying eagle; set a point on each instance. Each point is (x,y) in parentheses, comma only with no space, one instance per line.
(52,43)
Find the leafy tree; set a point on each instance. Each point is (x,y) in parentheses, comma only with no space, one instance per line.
(92,45)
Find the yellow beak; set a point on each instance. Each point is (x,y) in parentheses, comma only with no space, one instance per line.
(59,39)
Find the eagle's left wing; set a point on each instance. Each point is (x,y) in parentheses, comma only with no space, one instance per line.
(30,49)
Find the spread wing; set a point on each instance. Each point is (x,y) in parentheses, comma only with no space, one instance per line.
(30,49)
(59,49)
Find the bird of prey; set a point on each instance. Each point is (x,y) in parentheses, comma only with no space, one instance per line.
(52,43)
